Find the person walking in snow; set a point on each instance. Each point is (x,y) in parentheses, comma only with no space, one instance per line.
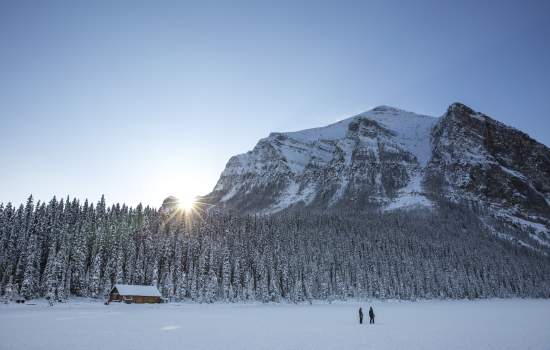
(360,316)
(371,315)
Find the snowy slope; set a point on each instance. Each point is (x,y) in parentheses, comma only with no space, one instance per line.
(413,130)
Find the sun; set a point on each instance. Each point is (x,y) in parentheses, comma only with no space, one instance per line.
(186,203)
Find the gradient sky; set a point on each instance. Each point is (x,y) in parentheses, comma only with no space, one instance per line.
(139,100)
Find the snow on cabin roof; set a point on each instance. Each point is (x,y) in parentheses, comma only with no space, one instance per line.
(145,291)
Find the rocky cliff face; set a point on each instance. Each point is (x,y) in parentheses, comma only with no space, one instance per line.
(479,159)
(390,159)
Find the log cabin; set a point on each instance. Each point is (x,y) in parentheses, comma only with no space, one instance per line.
(135,294)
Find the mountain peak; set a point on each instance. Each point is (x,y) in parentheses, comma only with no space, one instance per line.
(386,109)
(458,109)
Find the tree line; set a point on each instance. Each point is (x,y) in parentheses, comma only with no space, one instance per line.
(67,248)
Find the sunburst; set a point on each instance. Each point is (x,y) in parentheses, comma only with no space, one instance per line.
(187,204)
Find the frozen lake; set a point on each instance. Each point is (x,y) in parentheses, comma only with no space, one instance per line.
(485,324)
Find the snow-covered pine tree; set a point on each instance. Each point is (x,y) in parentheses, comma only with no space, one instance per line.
(30,284)
(226,274)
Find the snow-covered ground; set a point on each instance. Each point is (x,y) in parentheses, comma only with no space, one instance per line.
(484,324)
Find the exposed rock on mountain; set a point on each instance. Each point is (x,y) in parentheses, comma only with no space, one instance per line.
(479,159)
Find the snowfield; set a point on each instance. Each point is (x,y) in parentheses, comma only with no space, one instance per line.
(484,324)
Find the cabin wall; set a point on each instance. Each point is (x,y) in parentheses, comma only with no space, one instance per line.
(136,299)
(145,300)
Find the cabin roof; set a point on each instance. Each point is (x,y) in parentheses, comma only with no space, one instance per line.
(145,291)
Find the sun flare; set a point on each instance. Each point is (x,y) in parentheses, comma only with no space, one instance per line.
(186,203)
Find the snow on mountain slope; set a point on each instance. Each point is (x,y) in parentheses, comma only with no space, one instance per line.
(374,158)
(412,130)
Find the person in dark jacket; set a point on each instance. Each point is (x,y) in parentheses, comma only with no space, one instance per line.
(371,315)
(360,316)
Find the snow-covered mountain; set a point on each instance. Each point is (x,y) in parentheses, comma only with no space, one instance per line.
(387,159)
(375,158)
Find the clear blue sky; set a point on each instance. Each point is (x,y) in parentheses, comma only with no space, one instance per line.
(139,100)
